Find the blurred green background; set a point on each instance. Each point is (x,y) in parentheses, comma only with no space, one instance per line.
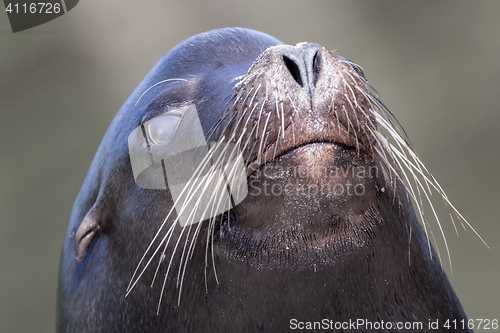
(436,65)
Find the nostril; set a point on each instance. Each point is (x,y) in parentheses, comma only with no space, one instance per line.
(316,66)
(294,69)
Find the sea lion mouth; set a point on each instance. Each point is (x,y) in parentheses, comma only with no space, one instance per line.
(327,136)
(314,195)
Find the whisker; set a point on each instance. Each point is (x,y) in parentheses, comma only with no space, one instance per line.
(154,85)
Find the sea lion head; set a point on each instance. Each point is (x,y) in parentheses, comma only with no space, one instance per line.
(247,175)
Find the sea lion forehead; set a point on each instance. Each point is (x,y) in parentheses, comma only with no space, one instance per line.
(212,49)
(214,57)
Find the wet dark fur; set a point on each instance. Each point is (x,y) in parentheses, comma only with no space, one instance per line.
(271,258)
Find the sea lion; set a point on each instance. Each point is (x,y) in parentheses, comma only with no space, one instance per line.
(320,234)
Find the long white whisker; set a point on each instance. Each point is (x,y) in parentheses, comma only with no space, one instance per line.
(154,85)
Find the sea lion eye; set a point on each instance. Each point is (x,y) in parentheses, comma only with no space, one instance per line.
(161,129)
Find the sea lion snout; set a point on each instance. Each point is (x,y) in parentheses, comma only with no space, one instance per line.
(303,62)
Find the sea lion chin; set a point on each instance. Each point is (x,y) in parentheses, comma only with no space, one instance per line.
(247,185)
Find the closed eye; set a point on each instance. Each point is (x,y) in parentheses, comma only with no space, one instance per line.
(160,129)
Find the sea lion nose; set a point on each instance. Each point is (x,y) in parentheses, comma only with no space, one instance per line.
(304,63)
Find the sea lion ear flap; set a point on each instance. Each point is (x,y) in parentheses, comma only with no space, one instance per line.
(86,231)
